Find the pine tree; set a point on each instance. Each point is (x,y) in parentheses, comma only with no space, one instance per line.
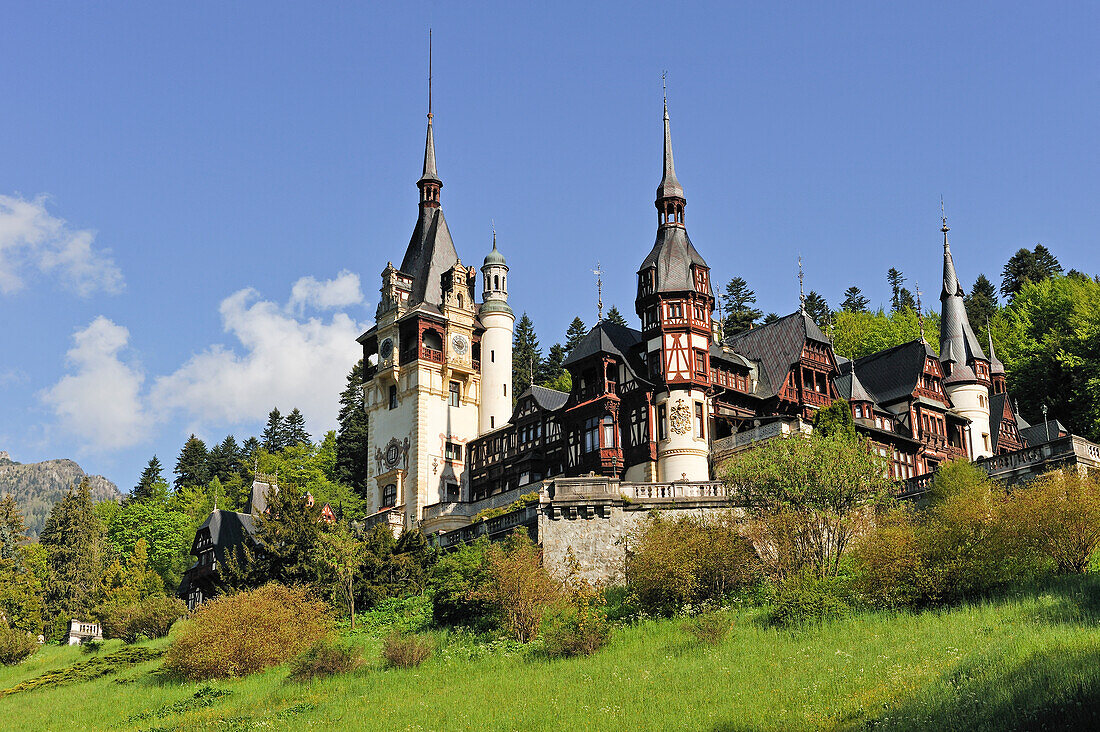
(274,436)
(352,460)
(193,465)
(740,314)
(526,356)
(906,300)
(249,450)
(152,476)
(12,529)
(614,316)
(854,301)
(552,368)
(1028,266)
(770,318)
(817,309)
(981,303)
(295,428)
(225,459)
(896,280)
(73,538)
(576,333)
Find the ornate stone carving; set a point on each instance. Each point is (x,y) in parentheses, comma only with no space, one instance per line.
(679,418)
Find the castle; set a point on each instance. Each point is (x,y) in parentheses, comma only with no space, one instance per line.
(651,411)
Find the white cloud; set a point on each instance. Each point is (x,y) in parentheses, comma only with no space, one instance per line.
(282,361)
(101,402)
(326,294)
(32,239)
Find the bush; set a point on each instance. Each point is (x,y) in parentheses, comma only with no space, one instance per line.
(709,628)
(1058,516)
(326,657)
(15,645)
(91,646)
(236,635)
(151,618)
(405,651)
(689,561)
(453,584)
(892,561)
(578,629)
(518,588)
(805,598)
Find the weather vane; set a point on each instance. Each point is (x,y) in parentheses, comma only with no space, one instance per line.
(599,290)
(920,313)
(801,286)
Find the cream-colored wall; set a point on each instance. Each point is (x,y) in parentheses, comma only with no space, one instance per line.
(496,371)
(682,455)
(968,400)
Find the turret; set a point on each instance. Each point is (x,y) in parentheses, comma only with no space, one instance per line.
(965,365)
(496,343)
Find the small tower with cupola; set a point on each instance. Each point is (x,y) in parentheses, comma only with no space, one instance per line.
(675,303)
(496,343)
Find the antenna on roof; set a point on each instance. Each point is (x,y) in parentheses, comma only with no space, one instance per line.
(920,314)
(801,287)
(599,290)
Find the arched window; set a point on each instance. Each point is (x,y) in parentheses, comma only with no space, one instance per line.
(433,340)
(496,282)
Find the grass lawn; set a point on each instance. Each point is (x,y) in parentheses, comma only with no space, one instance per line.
(1029,660)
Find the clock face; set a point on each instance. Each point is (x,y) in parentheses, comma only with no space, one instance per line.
(386,349)
(459,343)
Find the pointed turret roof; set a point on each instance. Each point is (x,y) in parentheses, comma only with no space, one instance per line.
(670,187)
(430,173)
(996,368)
(958,344)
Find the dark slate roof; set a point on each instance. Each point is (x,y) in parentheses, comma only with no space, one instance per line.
(227,529)
(430,173)
(607,337)
(996,368)
(717,352)
(776,347)
(673,254)
(548,399)
(893,373)
(431,253)
(850,387)
(257,499)
(996,416)
(670,187)
(1036,434)
(958,344)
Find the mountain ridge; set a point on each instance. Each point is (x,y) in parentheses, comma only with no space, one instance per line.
(38,486)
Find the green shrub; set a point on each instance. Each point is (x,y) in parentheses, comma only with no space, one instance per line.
(1058,517)
(151,618)
(891,561)
(326,657)
(805,598)
(689,561)
(709,628)
(453,583)
(91,646)
(406,651)
(518,588)
(578,629)
(15,645)
(236,635)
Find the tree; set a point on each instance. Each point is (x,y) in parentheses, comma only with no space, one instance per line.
(339,555)
(167,535)
(896,279)
(274,435)
(554,374)
(836,419)
(1059,516)
(805,497)
(526,356)
(855,335)
(854,301)
(250,450)
(288,532)
(130,583)
(193,464)
(905,300)
(981,303)
(1028,266)
(295,429)
(352,460)
(1048,337)
(152,476)
(225,459)
(614,316)
(771,318)
(818,309)
(576,333)
(740,314)
(519,588)
(12,528)
(73,538)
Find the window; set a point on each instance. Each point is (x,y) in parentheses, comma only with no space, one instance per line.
(389,495)
(662,426)
(655,364)
(453,451)
(492,356)
(700,421)
(608,431)
(492,421)
(452,492)
(591,434)
(456,392)
(700,363)
(505,390)
(393,396)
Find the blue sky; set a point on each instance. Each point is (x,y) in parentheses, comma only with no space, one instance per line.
(196,200)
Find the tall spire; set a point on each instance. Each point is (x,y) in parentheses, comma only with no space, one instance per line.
(951,286)
(801,287)
(920,314)
(670,194)
(429,183)
(958,344)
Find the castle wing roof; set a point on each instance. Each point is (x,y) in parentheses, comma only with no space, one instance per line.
(893,374)
(607,337)
(431,253)
(776,347)
(673,254)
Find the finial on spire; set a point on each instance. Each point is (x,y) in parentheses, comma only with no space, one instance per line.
(664,91)
(493,223)
(943,217)
(801,287)
(599,291)
(429,75)
(669,211)
(920,313)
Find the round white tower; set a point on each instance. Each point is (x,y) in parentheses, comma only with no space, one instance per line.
(496,343)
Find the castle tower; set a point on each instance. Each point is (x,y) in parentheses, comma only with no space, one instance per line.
(965,365)
(675,303)
(496,343)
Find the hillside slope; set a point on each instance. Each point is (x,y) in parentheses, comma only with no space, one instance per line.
(37,486)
